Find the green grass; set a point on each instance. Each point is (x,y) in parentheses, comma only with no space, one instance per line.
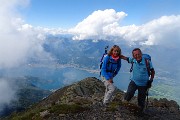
(55,109)
(65,108)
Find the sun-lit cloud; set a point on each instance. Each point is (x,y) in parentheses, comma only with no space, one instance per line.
(163,31)
(93,26)
(102,24)
(156,32)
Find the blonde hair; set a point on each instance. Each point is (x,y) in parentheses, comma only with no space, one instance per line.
(111,50)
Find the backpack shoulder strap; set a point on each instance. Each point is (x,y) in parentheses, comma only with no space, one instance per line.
(108,60)
(131,69)
(148,66)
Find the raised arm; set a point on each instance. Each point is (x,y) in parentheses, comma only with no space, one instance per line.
(124,57)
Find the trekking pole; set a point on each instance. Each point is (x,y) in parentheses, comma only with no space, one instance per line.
(106,49)
(105,52)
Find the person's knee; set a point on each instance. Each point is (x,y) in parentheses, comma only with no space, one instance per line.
(112,88)
(111,91)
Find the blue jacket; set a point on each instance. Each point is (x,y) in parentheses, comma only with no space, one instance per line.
(110,67)
(140,73)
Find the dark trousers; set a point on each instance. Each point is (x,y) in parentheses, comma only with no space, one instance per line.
(141,93)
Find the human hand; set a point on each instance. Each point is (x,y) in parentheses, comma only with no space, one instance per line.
(149,83)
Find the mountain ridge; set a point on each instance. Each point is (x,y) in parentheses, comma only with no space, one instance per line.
(83,101)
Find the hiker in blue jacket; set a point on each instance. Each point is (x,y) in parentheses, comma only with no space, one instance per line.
(141,78)
(110,68)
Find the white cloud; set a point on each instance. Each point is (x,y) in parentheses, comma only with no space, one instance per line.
(94,24)
(102,24)
(156,32)
(7,92)
(18,40)
(163,31)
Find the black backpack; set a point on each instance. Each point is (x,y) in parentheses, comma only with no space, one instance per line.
(104,55)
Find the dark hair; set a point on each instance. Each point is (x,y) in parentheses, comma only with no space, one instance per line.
(136,49)
(111,50)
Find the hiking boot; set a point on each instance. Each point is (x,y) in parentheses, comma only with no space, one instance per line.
(105,107)
(143,113)
(105,104)
(141,109)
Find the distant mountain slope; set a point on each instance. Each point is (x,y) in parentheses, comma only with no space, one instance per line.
(82,101)
(27,94)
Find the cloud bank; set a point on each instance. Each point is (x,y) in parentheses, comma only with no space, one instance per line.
(18,42)
(7,92)
(102,24)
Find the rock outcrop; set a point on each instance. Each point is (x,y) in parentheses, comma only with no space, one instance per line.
(83,101)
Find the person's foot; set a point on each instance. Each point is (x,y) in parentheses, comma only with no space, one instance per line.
(143,113)
(105,104)
(141,109)
(125,101)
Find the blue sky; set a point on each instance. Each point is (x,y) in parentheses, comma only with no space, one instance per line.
(67,13)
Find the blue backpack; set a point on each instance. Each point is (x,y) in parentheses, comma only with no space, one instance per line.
(146,56)
(147,59)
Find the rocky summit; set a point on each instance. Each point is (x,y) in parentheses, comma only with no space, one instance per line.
(83,101)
